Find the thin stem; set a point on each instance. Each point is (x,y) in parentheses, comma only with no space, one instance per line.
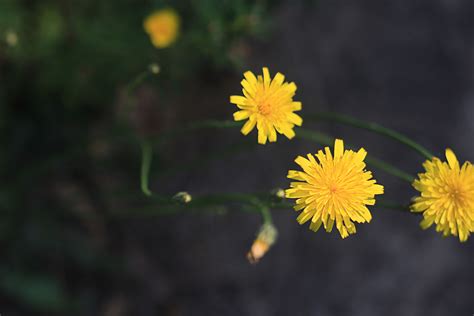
(318,137)
(374,127)
(264,210)
(132,85)
(130,88)
(394,171)
(211,203)
(147,154)
(324,139)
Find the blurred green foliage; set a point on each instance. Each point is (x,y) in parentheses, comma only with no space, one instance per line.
(63,65)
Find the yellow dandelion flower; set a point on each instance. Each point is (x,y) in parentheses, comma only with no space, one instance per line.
(268,104)
(333,188)
(447,196)
(163,27)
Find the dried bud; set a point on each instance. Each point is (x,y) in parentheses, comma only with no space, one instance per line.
(183,197)
(154,68)
(266,237)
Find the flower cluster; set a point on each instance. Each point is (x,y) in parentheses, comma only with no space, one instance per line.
(335,187)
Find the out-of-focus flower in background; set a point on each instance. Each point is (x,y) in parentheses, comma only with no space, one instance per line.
(336,188)
(163,27)
(268,104)
(447,196)
(11,38)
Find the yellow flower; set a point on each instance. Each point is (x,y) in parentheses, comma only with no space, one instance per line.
(333,189)
(163,27)
(268,104)
(447,196)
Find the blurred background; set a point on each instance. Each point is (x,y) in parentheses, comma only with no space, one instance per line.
(77,236)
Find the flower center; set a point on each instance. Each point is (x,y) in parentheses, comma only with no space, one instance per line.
(456,195)
(264,108)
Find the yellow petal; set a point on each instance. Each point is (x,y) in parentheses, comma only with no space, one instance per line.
(266,77)
(250,77)
(241,115)
(248,126)
(295,119)
(278,80)
(262,136)
(288,132)
(296,106)
(238,99)
(272,136)
(452,160)
(338,148)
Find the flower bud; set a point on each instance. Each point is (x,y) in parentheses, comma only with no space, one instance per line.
(266,237)
(154,68)
(279,193)
(183,197)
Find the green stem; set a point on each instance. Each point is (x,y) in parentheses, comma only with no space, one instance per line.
(147,154)
(264,210)
(130,88)
(132,85)
(388,168)
(324,139)
(210,203)
(318,137)
(373,127)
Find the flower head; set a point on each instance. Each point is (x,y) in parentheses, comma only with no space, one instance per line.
(268,104)
(333,188)
(163,27)
(447,196)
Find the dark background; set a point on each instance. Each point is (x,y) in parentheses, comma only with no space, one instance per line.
(405,64)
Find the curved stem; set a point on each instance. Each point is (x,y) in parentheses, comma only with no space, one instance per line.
(206,202)
(327,140)
(388,168)
(373,127)
(147,154)
(130,88)
(318,137)
(132,85)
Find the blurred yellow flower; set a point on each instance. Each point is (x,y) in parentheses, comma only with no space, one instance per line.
(268,104)
(447,196)
(333,189)
(163,27)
